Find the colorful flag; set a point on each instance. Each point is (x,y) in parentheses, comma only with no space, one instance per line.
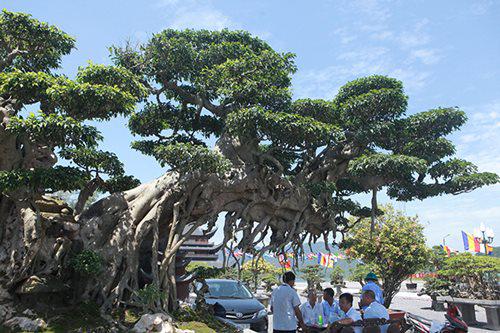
(489,249)
(470,243)
(446,249)
(311,256)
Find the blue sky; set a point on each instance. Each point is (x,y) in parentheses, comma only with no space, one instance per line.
(447,53)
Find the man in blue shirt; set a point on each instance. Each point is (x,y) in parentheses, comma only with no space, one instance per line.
(374,310)
(285,307)
(371,284)
(331,307)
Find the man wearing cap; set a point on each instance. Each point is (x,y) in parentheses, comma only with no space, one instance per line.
(371,284)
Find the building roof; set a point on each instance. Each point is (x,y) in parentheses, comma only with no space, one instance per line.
(200,232)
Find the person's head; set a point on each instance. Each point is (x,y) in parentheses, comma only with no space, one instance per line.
(328,294)
(345,301)
(289,278)
(312,297)
(371,277)
(367,298)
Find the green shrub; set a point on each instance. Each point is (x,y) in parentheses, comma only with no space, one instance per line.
(87,262)
(148,295)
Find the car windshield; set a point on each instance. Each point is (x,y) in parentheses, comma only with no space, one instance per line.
(227,289)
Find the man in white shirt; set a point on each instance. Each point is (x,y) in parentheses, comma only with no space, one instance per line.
(351,314)
(312,311)
(285,307)
(373,309)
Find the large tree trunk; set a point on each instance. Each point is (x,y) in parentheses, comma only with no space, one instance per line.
(138,232)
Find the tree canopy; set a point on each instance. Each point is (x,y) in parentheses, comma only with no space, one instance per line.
(395,248)
(279,167)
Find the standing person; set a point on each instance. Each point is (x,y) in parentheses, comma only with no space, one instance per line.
(331,307)
(285,307)
(312,311)
(374,310)
(351,314)
(371,284)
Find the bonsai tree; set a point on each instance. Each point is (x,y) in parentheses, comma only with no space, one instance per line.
(280,167)
(337,276)
(313,275)
(394,248)
(270,280)
(437,257)
(255,270)
(469,276)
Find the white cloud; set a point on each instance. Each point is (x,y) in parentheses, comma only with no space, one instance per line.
(481,7)
(427,56)
(194,14)
(477,138)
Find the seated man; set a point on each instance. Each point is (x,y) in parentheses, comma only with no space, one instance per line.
(331,309)
(371,280)
(373,309)
(351,314)
(312,311)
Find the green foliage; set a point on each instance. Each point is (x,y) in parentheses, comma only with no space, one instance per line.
(121,183)
(390,167)
(370,99)
(281,128)
(436,286)
(55,179)
(313,275)
(337,275)
(395,250)
(40,45)
(187,315)
(153,119)
(149,295)
(186,157)
(253,271)
(63,131)
(231,66)
(358,273)
(437,256)
(87,263)
(114,76)
(270,280)
(95,160)
(471,276)
(80,101)
(203,271)
(318,109)
(91,101)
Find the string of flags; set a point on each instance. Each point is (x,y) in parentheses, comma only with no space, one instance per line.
(284,259)
(474,244)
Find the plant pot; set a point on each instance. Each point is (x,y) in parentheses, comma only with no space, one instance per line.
(411,286)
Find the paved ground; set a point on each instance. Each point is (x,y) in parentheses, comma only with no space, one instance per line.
(410,302)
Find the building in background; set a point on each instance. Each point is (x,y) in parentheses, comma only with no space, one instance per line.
(198,247)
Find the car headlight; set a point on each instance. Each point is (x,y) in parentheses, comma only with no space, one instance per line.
(261,313)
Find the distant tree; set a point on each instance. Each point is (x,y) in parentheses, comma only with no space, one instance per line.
(358,273)
(394,248)
(437,257)
(337,275)
(313,275)
(253,271)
